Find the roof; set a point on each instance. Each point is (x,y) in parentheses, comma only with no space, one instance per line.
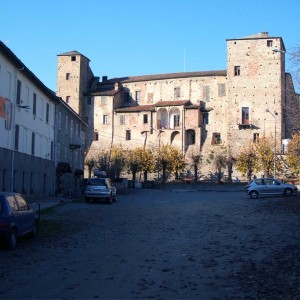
(261,35)
(71,110)
(139,108)
(136,108)
(172,103)
(103,92)
(166,76)
(72,53)
(21,66)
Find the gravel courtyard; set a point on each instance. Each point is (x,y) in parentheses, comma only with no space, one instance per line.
(161,244)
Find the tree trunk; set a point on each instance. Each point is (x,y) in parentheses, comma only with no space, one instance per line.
(196,173)
(219,175)
(133,175)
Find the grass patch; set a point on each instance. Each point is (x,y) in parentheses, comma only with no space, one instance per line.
(50,228)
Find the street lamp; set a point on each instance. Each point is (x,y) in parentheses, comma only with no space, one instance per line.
(274,116)
(277,50)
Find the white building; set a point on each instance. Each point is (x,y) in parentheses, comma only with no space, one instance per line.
(27,118)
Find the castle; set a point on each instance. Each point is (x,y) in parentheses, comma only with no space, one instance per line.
(192,111)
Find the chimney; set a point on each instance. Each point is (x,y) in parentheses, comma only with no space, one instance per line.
(116,86)
(104,78)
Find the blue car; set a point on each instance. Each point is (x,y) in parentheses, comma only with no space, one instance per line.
(16,218)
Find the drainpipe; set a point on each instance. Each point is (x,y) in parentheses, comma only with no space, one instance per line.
(183,133)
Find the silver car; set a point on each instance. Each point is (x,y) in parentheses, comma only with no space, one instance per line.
(100,188)
(269,186)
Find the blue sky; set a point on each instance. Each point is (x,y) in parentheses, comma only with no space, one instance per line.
(139,37)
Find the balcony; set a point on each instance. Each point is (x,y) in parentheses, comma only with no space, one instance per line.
(75,144)
(247,124)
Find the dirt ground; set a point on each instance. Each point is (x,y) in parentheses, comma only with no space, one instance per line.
(161,244)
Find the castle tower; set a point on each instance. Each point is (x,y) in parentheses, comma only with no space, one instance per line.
(255,76)
(73,76)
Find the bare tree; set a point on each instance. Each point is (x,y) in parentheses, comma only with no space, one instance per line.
(292,107)
(90,162)
(196,158)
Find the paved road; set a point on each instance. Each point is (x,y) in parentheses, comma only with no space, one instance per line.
(181,244)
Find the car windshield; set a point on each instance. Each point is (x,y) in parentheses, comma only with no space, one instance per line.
(97,181)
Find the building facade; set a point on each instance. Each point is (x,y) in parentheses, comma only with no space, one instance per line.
(41,138)
(193,111)
(26,129)
(69,149)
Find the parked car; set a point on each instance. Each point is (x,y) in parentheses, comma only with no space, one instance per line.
(269,186)
(100,188)
(16,218)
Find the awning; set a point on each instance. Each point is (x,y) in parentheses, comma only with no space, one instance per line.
(63,168)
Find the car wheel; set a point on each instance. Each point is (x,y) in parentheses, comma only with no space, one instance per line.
(12,240)
(288,192)
(253,194)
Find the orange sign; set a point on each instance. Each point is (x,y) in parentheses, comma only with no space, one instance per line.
(2,107)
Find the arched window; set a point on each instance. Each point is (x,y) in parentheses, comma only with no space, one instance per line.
(162,118)
(174,118)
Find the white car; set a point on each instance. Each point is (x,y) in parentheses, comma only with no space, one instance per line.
(100,188)
(269,186)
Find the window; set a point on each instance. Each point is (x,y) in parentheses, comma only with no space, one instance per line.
(150,97)
(34,104)
(96,136)
(67,76)
(176,120)
(105,119)
(12,203)
(206,93)
(17,137)
(145,119)
(221,90)
(126,97)
(205,118)
(67,125)
(122,119)
(138,96)
(68,99)
(216,139)
(128,135)
(89,100)
(245,115)
(269,43)
(21,203)
(52,150)
(73,58)
(32,143)
(255,137)
(103,99)
(19,87)
(59,121)
(71,129)
(237,71)
(3,179)
(176,92)
(47,112)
